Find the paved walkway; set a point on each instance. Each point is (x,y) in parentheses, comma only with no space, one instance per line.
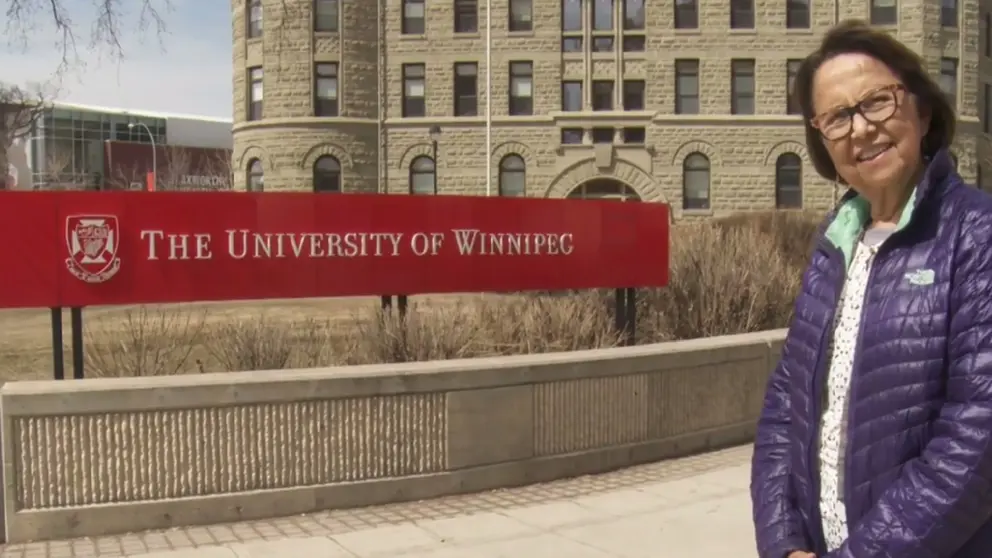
(696,506)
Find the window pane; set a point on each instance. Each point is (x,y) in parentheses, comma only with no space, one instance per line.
(327,88)
(521,87)
(413,10)
(633,14)
(571,16)
(602,11)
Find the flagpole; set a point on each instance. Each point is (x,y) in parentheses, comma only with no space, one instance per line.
(489,98)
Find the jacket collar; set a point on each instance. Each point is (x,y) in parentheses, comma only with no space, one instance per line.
(848,218)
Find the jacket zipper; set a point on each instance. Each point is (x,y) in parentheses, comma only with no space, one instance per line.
(817,390)
(852,392)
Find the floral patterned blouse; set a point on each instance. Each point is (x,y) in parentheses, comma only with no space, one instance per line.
(833,424)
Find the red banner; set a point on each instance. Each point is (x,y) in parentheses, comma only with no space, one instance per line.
(104,248)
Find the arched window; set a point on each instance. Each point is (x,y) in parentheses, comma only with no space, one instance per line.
(422,176)
(256,178)
(327,174)
(788,181)
(512,176)
(696,182)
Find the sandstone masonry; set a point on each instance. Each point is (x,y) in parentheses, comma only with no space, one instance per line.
(375,144)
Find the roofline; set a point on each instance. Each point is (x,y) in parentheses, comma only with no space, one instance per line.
(140,113)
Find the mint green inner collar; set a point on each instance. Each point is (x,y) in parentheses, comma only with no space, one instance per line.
(850,220)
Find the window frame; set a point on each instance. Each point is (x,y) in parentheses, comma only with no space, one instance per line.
(414,106)
(521,71)
(334,175)
(465,88)
(256,108)
(326,106)
(413,25)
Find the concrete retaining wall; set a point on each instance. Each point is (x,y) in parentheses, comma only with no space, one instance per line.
(101,456)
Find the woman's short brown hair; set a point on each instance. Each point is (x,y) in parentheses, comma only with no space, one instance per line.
(856,36)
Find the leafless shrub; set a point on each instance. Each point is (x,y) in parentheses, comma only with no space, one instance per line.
(145,342)
(266,344)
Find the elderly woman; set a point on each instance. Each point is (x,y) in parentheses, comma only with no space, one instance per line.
(876,435)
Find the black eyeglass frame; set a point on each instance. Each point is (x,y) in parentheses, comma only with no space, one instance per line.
(859,108)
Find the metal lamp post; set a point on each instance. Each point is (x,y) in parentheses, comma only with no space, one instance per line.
(435,133)
(130,126)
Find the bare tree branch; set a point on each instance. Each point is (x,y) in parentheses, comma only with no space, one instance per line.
(110,23)
(20,110)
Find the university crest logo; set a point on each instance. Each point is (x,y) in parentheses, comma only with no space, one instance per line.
(92,241)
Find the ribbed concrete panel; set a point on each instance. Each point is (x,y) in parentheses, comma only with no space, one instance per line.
(576,415)
(137,456)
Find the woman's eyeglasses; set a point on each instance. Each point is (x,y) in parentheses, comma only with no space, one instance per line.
(877,107)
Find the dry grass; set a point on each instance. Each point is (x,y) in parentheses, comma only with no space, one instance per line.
(730,275)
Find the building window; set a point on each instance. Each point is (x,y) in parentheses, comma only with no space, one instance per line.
(571,25)
(571,16)
(256,178)
(686,14)
(521,88)
(571,136)
(791,71)
(687,87)
(603,135)
(521,15)
(602,94)
(413,90)
(696,182)
(466,16)
(327,174)
(742,14)
(466,89)
(633,15)
(602,15)
(789,181)
(512,176)
(422,176)
(742,87)
(634,43)
(636,135)
(413,17)
(987,109)
(949,80)
(797,14)
(949,13)
(633,94)
(254,19)
(326,89)
(884,12)
(571,96)
(326,14)
(602,44)
(255,93)
(988,35)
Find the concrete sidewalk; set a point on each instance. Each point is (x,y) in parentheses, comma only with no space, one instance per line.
(696,506)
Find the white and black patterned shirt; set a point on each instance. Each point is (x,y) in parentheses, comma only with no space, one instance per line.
(833,422)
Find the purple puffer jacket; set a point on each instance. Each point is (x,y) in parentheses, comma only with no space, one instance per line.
(918,470)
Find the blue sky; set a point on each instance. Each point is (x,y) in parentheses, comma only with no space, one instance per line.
(187,70)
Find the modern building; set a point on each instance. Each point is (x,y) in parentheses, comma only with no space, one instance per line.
(676,100)
(71,145)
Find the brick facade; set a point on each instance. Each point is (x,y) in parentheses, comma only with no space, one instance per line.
(375,144)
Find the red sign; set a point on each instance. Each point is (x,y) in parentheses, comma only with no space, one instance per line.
(103,248)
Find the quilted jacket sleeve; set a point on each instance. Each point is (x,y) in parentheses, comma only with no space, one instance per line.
(943,497)
(778,527)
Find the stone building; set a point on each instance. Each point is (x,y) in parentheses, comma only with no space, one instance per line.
(682,101)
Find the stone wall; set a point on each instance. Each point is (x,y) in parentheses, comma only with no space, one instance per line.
(99,456)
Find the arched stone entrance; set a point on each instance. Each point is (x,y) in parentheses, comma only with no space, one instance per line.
(641,185)
(604,189)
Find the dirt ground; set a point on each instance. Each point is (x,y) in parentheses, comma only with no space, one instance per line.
(26,335)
